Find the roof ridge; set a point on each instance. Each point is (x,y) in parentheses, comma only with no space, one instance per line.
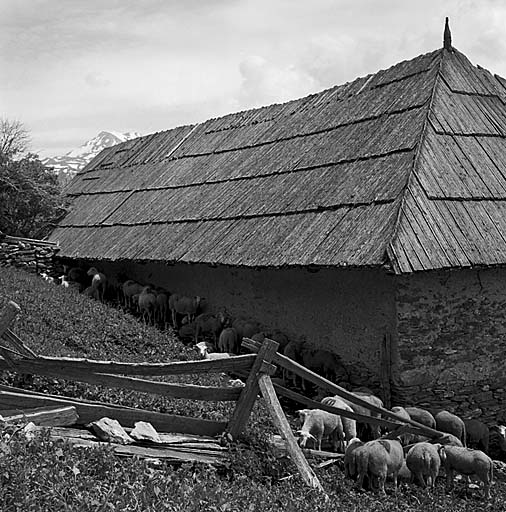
(389,253)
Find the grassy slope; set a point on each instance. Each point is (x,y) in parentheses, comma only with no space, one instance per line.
(46,476)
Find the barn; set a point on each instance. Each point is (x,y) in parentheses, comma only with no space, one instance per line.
(368,219)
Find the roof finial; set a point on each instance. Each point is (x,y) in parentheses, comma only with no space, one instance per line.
(447,38)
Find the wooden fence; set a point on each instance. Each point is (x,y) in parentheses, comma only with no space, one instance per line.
(258,367)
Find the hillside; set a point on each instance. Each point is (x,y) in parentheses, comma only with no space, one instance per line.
(66,166)
(48,476)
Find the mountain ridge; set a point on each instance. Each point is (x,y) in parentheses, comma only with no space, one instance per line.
(68,165)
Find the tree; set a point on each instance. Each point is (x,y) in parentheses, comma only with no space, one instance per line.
(14,138)
(31,201)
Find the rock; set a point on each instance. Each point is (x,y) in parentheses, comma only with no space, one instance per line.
(144,431)
(111,431)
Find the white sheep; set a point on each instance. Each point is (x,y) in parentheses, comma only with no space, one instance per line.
(318,424)
(424,462)
(98,281)
(349,425)
(467,462)
(379,458)
(373,400)
(63,282)
(350,458)
(451,423)
(188,306)
(47,277)
(204,350)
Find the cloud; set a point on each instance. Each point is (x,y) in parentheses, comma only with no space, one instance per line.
(264,83)
(96,79)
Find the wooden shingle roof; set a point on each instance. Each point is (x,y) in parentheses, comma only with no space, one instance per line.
(406,168)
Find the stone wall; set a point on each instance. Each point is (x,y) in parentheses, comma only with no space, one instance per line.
(346,311)
(31,255)
(452,341)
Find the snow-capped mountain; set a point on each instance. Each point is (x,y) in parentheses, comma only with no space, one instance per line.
(67,165)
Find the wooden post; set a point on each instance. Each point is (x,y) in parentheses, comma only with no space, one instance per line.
(250,391)
(386,369)
(7,315)
(280,421)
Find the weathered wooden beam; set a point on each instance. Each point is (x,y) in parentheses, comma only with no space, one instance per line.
(60,364)
(313,404)
(280,444)
(168,453)
(18,344)
(7,315)
(292,366)
(250,391)
(58,416)
(281,423)
(126,416)
(188,391)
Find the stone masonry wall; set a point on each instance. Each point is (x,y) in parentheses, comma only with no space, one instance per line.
(452,341)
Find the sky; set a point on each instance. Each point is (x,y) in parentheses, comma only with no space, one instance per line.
(72,68)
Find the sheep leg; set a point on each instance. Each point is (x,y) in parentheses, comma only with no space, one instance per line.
(381,482)
(449,479)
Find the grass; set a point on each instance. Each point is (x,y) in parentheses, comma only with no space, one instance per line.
(42,475)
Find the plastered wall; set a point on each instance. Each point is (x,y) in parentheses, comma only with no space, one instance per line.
(346,311)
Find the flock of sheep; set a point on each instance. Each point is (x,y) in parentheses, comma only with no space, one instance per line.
(368,462)
(221,333)
(411,457)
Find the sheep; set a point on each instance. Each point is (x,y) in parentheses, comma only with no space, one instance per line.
(477,434)
(204,348)
(467,461)
(349,425)
(64,282)
(350,463)
(46,277)
(379,458)
(421,416)
(373,400)
(147,303)
(98,281)
(76,275)
(323,362)
(228,341)
(245,328)
(292,350)
(423,461)
(406,438)
(129,289)
(317,425)
(448,422)
(188,306)
(161,308)
(91,292)
(497,445)
(448,440)
(280,337)
(209,323)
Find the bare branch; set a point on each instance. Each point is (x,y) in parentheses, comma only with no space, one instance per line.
(14,138)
